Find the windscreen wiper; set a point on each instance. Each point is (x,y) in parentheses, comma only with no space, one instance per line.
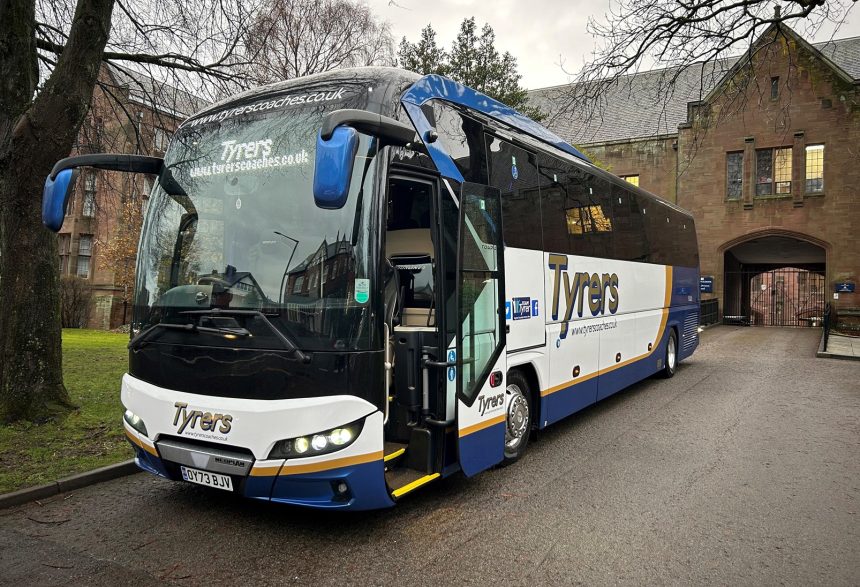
(289,343)
(141,338)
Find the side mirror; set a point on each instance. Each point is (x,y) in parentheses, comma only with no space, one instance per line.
(333,167)
(59,184)
(55,198)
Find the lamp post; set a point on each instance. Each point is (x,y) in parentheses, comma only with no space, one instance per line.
(287,267)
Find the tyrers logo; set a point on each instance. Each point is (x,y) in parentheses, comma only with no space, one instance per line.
(599,291)
(491,403)
(207,420)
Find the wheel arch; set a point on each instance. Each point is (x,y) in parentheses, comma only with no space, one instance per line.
(529,371)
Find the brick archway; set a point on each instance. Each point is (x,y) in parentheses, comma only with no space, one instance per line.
(766,232)
(773,277)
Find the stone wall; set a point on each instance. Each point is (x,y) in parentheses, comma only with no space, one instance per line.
(813,106)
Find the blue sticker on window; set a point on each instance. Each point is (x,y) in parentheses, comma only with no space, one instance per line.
(535,308)
(514,173)
(507,310)
(522,308)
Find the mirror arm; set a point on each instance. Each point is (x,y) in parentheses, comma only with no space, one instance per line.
(390,130)
(112,162)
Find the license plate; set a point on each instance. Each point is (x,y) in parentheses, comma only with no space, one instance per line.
(206,478)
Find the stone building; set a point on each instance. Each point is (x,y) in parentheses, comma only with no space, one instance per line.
(129,113)
(764,150)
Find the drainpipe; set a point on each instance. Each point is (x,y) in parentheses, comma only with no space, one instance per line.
(677,166)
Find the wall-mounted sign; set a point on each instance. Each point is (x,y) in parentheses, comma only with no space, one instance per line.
(706,284)
(845,287)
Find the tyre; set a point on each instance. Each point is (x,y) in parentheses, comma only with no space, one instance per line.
(518,416)
(670,360)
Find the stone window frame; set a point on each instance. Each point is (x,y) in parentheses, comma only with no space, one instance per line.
(738,156)
(85,252)
(778,174)
(88,208)
(814,164)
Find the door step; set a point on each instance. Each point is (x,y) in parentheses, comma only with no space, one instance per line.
(402,481)
(393,452)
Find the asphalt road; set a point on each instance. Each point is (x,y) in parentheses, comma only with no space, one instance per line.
(742,469)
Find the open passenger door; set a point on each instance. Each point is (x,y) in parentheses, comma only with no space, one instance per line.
(481,357)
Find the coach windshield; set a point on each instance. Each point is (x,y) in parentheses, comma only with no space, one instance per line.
(233,250)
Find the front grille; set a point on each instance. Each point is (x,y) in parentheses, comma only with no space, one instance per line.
(216,459)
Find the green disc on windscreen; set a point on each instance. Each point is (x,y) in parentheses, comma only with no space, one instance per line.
(362,290)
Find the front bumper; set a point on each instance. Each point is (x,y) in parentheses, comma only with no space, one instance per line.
(352,478)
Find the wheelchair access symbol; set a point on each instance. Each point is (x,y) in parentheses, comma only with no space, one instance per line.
(452,371)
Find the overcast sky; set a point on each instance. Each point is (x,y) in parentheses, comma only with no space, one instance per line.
(542,34)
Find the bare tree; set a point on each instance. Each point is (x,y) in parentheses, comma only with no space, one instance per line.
(76,297)
(51,56)
(293,38)
(706,36)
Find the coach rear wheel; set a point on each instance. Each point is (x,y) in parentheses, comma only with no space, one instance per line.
(670,362)
(518,417)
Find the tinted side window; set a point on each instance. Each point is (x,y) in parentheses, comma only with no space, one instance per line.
(671,234)
(576,208)
(462,137)
(630,240)
(514,171)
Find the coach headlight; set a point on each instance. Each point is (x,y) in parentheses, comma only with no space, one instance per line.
(135,422)
(320,443)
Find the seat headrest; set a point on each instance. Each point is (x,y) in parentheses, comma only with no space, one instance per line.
(409,241)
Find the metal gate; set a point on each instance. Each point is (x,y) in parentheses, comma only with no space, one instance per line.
(778,297)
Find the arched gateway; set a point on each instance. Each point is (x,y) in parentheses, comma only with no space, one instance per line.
(774,278)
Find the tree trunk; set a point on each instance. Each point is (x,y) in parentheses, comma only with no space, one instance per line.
(34,134)
(31,376)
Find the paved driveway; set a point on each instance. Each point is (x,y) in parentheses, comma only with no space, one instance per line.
(743,469)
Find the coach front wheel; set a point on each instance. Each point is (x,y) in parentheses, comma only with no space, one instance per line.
(670,362)
(518,417)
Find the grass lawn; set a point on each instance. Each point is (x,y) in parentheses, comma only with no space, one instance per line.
(91,436)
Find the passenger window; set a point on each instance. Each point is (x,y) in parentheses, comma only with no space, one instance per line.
(630,241)
(514,171)
(671,234)
(576,209)
(661,234)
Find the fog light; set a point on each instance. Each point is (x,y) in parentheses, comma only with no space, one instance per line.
(135,422)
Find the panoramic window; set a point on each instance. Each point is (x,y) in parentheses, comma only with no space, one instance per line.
(584,219)
(734,175)
(630,239)
(575,203)
(773,171)
(514,171)
(815,168)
